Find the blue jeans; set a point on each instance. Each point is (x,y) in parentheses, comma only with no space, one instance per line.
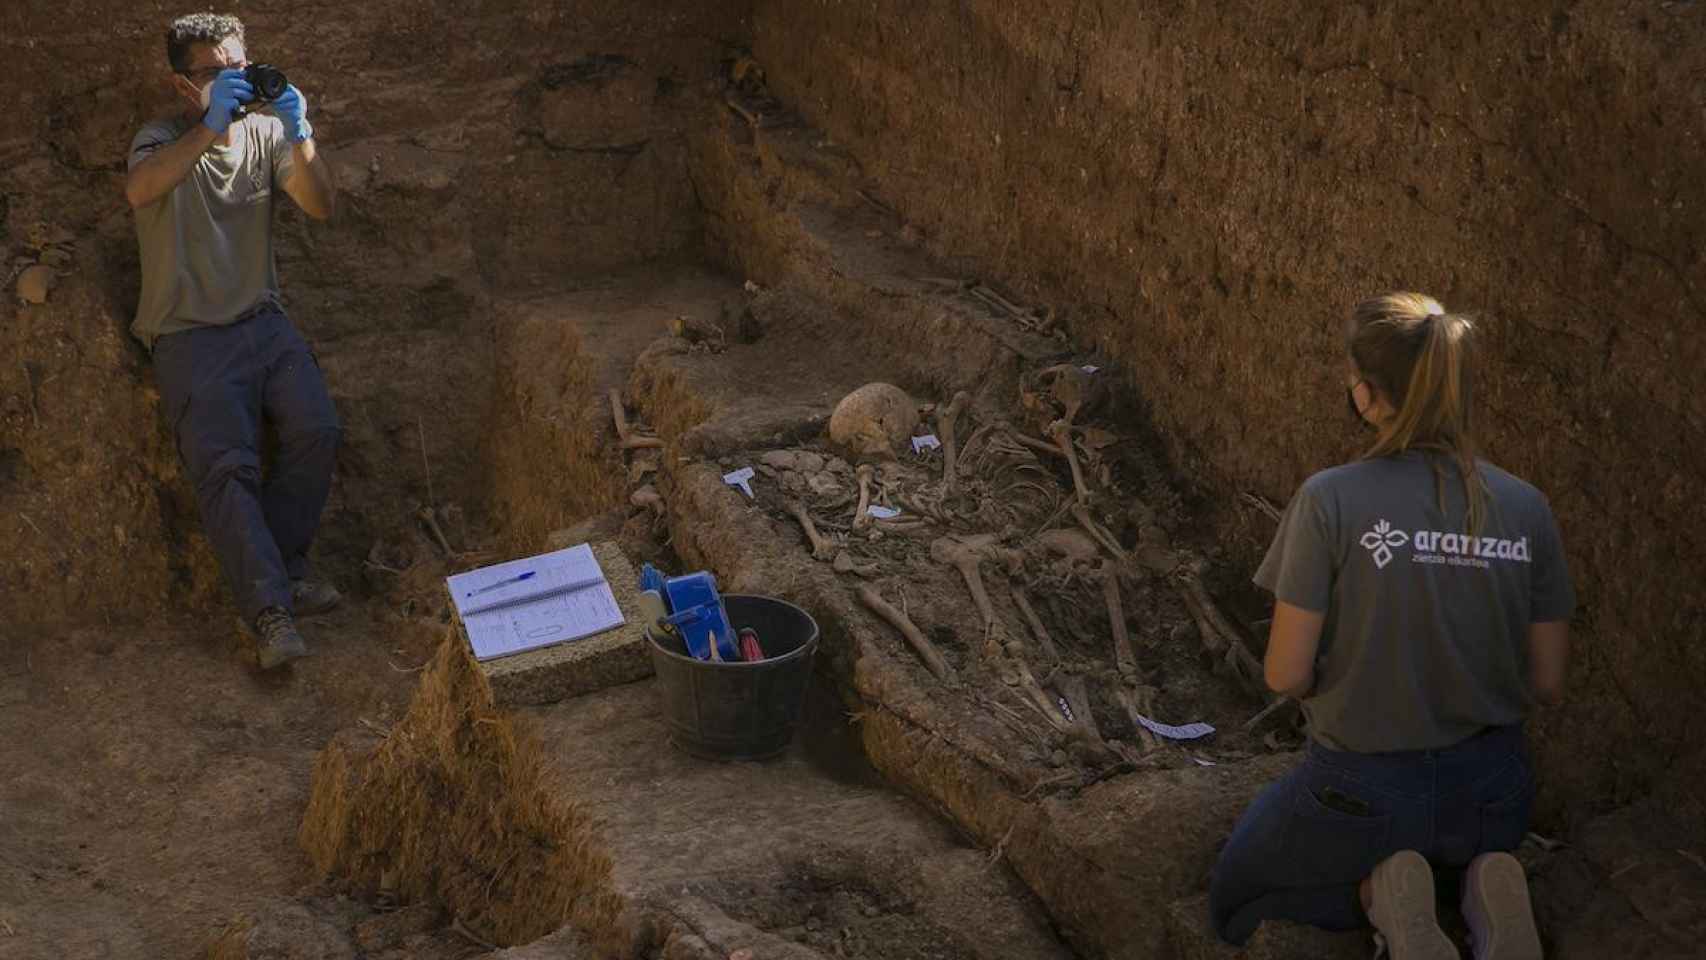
(217,383)
(1302,849)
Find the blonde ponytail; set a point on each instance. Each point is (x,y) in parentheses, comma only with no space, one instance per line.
(1421,359)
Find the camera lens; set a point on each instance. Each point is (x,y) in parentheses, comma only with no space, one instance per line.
(269,81)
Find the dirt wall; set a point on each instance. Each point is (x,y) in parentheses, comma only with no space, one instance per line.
(482,154)
(1202,190)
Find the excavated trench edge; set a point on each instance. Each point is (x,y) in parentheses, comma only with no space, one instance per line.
(516,862)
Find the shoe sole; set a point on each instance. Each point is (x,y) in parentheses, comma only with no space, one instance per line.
(1404,900)
(1497,908)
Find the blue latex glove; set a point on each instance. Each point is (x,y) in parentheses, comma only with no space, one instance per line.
(292,108)
(225,94)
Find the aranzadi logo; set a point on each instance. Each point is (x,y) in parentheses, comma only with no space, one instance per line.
(1433,546)
(1381,541)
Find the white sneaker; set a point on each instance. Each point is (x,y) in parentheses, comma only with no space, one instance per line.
(1498,911)
(1403,909)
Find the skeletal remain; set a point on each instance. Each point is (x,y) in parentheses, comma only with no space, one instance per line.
(1211,621)
(1041,446)
(1074,545)
(1097,532)
(1061,431)
(1071,387)
(967,458)
(822,547)
(945,427)
(1139,701)
(862,514)
(1123,657)
(629,440)
(430,518)
(844,563)
(1036,624)
(966,557)
(1078,698)
(1044,703)
(873,421)
(933,659)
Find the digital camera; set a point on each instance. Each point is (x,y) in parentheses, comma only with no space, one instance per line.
(269,82)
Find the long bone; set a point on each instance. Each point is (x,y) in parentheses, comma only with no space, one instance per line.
(1061,432)
(862,513)
(822,547)
(933,659)
(1036,624)
(945,426)
(628,439)
(1123,656)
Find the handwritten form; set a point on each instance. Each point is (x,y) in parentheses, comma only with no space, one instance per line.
(567,598)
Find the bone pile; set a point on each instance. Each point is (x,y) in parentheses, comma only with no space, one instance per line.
(1020,511)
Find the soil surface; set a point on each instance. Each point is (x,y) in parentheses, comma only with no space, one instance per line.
(965,201)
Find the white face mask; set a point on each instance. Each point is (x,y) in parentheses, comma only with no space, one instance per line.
(206,95)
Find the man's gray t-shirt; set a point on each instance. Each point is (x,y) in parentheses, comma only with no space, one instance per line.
(206,246)
(1425,639)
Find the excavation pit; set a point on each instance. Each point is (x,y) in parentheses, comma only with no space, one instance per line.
(733,216)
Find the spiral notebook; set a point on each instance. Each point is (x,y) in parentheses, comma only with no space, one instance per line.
(521,605)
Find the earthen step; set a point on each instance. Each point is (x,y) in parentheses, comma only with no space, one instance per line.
(1190,938)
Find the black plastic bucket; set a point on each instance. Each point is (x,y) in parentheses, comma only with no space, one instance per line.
(739,711)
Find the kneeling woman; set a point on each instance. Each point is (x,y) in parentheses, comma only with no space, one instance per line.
(1422,610)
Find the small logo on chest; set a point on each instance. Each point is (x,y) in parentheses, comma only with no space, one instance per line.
(1380,542)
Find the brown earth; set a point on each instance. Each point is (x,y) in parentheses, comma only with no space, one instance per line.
(1201,190)
(531,194)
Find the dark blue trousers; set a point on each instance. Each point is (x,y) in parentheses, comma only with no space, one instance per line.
(1302,849)
(218,385)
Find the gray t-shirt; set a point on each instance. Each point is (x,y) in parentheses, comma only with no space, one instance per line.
(1425,640)
(206,246)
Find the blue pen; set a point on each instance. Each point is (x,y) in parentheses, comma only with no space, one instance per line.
(502,583)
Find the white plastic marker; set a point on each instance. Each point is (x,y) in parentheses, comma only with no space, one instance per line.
(1190,731)
(926,442)
(1089,368)
(881,512)
(740,478)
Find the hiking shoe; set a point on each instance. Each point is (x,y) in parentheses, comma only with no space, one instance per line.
(279,641)
(1403,909)
(1497,909)
(308,597)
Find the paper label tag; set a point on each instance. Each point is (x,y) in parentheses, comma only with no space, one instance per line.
(882,513)
(926,442)
(1089,368)
(740,478)
(1190,731)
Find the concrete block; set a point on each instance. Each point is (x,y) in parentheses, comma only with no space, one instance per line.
(566,670)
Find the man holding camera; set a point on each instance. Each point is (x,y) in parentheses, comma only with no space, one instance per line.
(226,357)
